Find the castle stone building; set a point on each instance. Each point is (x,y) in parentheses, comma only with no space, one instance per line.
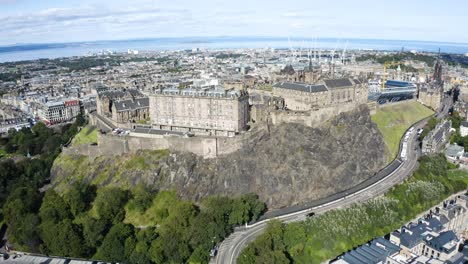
(123,106)
(203,111)
(305,97)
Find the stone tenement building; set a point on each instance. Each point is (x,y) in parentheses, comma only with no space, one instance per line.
(430,96)
(437,137)
(333,92)
(206,111)
(130,110)
(123,106)
(60,111)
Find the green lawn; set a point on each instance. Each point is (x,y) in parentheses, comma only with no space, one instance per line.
(393,121)
(87,135)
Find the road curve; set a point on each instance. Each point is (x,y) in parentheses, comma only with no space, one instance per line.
(232,246)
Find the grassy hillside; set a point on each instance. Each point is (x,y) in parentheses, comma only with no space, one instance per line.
(393,120)
(87,135)
(124,171)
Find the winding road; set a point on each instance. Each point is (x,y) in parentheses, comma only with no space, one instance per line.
(396,173)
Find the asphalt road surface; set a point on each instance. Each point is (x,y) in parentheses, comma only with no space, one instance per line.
(232,246)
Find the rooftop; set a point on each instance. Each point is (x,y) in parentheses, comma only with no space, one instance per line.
(445,242)
(214,91)
(130,104)
(454,150)
(374,252)
(301,87)
(338,83)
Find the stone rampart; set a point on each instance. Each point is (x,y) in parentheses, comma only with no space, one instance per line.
(312,118)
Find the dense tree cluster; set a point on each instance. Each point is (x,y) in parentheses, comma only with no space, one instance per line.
(28,174)
(13,76)
(20,181)
(328,235)
(88,222)
(428,59)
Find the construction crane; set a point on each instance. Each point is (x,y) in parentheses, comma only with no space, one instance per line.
(384,75)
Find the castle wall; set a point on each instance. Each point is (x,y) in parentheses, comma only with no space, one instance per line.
(313,118)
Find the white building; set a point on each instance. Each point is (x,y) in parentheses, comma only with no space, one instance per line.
(464,129)
(60,111)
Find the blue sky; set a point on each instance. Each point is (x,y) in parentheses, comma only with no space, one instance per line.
(43,21)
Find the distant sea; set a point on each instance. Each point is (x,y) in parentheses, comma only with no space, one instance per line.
(56,50)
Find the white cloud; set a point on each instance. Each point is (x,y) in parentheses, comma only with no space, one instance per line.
(159,18)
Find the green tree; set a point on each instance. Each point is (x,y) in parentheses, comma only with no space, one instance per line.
(156,252)
(80,120)
(456,138)
(142,198)
(464,142)
(109,204)
(239,213)
(113,246)
(24,233)
(94,231)
(431,123)
(456,119)
(256,207)
(144,237)
(63,239)
(79,197)
(8,174)
(200,255)
(53,208)
(42,131)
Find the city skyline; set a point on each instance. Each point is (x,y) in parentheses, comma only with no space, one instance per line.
(27,21)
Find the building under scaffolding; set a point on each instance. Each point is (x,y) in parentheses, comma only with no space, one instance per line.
(393,91)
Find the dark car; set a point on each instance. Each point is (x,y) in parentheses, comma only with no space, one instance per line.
(310,214)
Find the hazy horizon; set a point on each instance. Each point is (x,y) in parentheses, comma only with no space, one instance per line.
(293,39)
(54,21)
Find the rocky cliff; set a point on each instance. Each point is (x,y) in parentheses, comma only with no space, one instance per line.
(286,165)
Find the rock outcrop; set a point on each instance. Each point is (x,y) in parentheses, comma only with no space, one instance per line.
(286,165)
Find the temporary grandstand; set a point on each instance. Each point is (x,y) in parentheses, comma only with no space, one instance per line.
(393,91)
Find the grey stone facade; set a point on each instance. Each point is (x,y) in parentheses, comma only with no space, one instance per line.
(207,111)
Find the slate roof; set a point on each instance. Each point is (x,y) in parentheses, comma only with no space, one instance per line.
(439,135)
(453,210)
(441,242)
(116,94)
(443,219)
(415,233)
(414,237)
(302,87)
(338,83)
(447,125)
(434,223)
(357,81)
(126,105)
(375,252)
(453,150)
